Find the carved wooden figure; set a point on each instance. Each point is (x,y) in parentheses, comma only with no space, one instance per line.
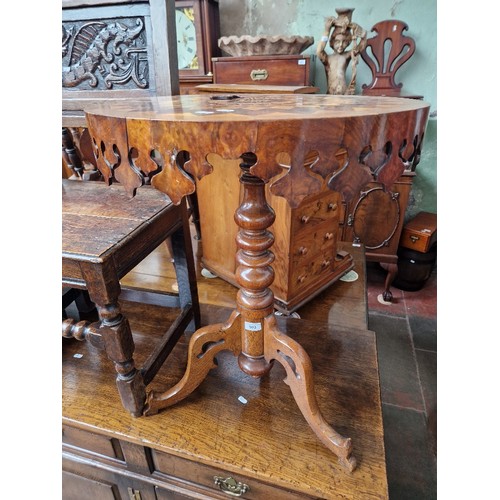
(347,40)
(258,129)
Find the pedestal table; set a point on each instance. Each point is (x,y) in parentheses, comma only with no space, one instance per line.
(172,140)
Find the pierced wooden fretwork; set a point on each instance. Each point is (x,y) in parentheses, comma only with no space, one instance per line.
(384,54)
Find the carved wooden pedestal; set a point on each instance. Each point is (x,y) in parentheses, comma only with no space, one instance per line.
(145,138)
(251,332)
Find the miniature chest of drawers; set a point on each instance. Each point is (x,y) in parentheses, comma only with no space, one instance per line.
(268,70)
(305,238)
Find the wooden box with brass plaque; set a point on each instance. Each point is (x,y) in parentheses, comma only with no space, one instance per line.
(417,252)
(263,70)
(197,25)
(420,233)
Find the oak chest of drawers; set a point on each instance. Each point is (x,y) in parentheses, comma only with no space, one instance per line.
(268,70)
(234,434)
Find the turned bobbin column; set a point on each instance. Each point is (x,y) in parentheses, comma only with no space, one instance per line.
(254,273)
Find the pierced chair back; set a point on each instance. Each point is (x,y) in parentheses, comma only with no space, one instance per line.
(384,54)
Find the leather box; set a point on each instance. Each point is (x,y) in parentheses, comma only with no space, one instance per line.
(420,233)
(263,70)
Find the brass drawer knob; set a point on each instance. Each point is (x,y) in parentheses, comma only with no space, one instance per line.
(332,206)
(305,219)
(328,236)
(414,238)
(303,250)
(231,486)
(325,263)
(301,278)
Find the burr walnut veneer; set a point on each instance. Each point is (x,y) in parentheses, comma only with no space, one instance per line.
(173,140)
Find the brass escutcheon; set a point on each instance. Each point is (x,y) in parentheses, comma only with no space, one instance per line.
(259,74)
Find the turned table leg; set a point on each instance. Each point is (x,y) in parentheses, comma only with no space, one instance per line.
(262,342)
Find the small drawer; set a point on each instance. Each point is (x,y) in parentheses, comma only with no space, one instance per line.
(221,483)
(317,211)
(320,239)
(88,442)
(303,274)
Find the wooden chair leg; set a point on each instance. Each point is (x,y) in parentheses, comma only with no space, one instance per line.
(185,269)
(195,214)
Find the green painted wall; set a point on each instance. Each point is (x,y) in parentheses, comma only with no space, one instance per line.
(306,17)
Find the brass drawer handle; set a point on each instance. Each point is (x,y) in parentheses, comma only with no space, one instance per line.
(231,486)
(301,279)
(325,263)
(134,494)
(328,236)
(414,238)
(303,250)
(332,206)
(259,74)
(305,219)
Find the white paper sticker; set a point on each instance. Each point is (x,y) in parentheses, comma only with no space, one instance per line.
(241,399)
(301,62)
(253,327)
(78,356)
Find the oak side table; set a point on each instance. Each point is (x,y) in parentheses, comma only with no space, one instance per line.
(173,139)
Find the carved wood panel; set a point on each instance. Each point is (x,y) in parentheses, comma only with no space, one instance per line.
(105,54)
(116,49)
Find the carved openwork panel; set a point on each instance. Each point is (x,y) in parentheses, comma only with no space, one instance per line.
(384,54)
(105,54)
(302,144)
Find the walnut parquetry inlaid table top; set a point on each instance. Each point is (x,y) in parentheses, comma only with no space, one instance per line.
(354,139)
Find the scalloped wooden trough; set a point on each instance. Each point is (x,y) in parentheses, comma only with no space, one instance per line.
(264,45)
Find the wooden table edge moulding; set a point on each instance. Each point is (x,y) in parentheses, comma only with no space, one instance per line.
(172,140)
